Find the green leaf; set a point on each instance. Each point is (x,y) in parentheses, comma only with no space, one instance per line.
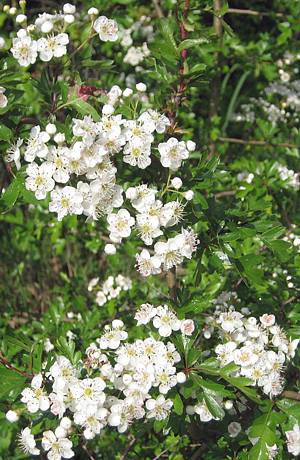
(12,383)
(5,133)
(178,404)
(11,194)
(84,108)
(190,43)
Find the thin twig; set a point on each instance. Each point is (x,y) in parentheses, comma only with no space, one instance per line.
(233,140)
(225,193)
(291,395)
(253,13)
(172,283)
(128,448)
(214,102)
(9,366)
(158,9)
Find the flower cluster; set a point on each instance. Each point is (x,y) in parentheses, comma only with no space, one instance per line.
(92,157)
(259,349)
(117,383)
(46,36)
(110,289)
(163,319)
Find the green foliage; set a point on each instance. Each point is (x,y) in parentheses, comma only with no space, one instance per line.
(246,228)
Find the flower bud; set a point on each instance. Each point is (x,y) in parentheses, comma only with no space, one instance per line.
(191,146)
(59,138)
(127,92)
(189,195)
(21,18)
(141,87)
(69,18)
(51,129)
(69,9)
(46,27)
(93,12)
(176,183)
(181,377)
(12,416)
(110,249)
(12,11)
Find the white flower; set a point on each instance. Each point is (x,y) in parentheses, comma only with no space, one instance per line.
(244,356)
(169,252)
(27,442)
(267,320)
(137,153)
(147,264)
(3,98)
(202,410)
(159,408)
(35,397)
(234,428)
(52,46)
(64,201)
(63,373)
(145,313)
(148,228)
(39,179)
(141,197)
(225,352)
(172,153)
(68,8)
(106,28)
(187,327)
(113,335)
(57,447)
(24,50)
(158,121)
(36,144)
(293,440)
(120,224)
(14,153)
(166,321)
(59,157)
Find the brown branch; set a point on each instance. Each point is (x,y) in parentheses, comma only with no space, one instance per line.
(225,193)
(253,13)
(233,140)
(214,102)
(9,366)
(182,85)
(128,448)
(172,283)
(291,395)
(158,9)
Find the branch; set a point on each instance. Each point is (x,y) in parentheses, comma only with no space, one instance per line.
(252,12)
(291,395)
(9,366)
(128,448)
(233,140)
(182,85)
(214,102)
(158,9)
(172,283)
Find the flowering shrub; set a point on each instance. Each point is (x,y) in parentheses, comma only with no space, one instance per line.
(150,243)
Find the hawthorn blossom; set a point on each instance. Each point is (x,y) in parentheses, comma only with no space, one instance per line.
(147,264)
(39,179)
(293,440)
(66,201)
(27,442)
(159,408)
(35,397)
(52,46)
(57,448)
(120,224)
(165,321)
(172,153)
(24,49)
(3,98)
(106,28)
